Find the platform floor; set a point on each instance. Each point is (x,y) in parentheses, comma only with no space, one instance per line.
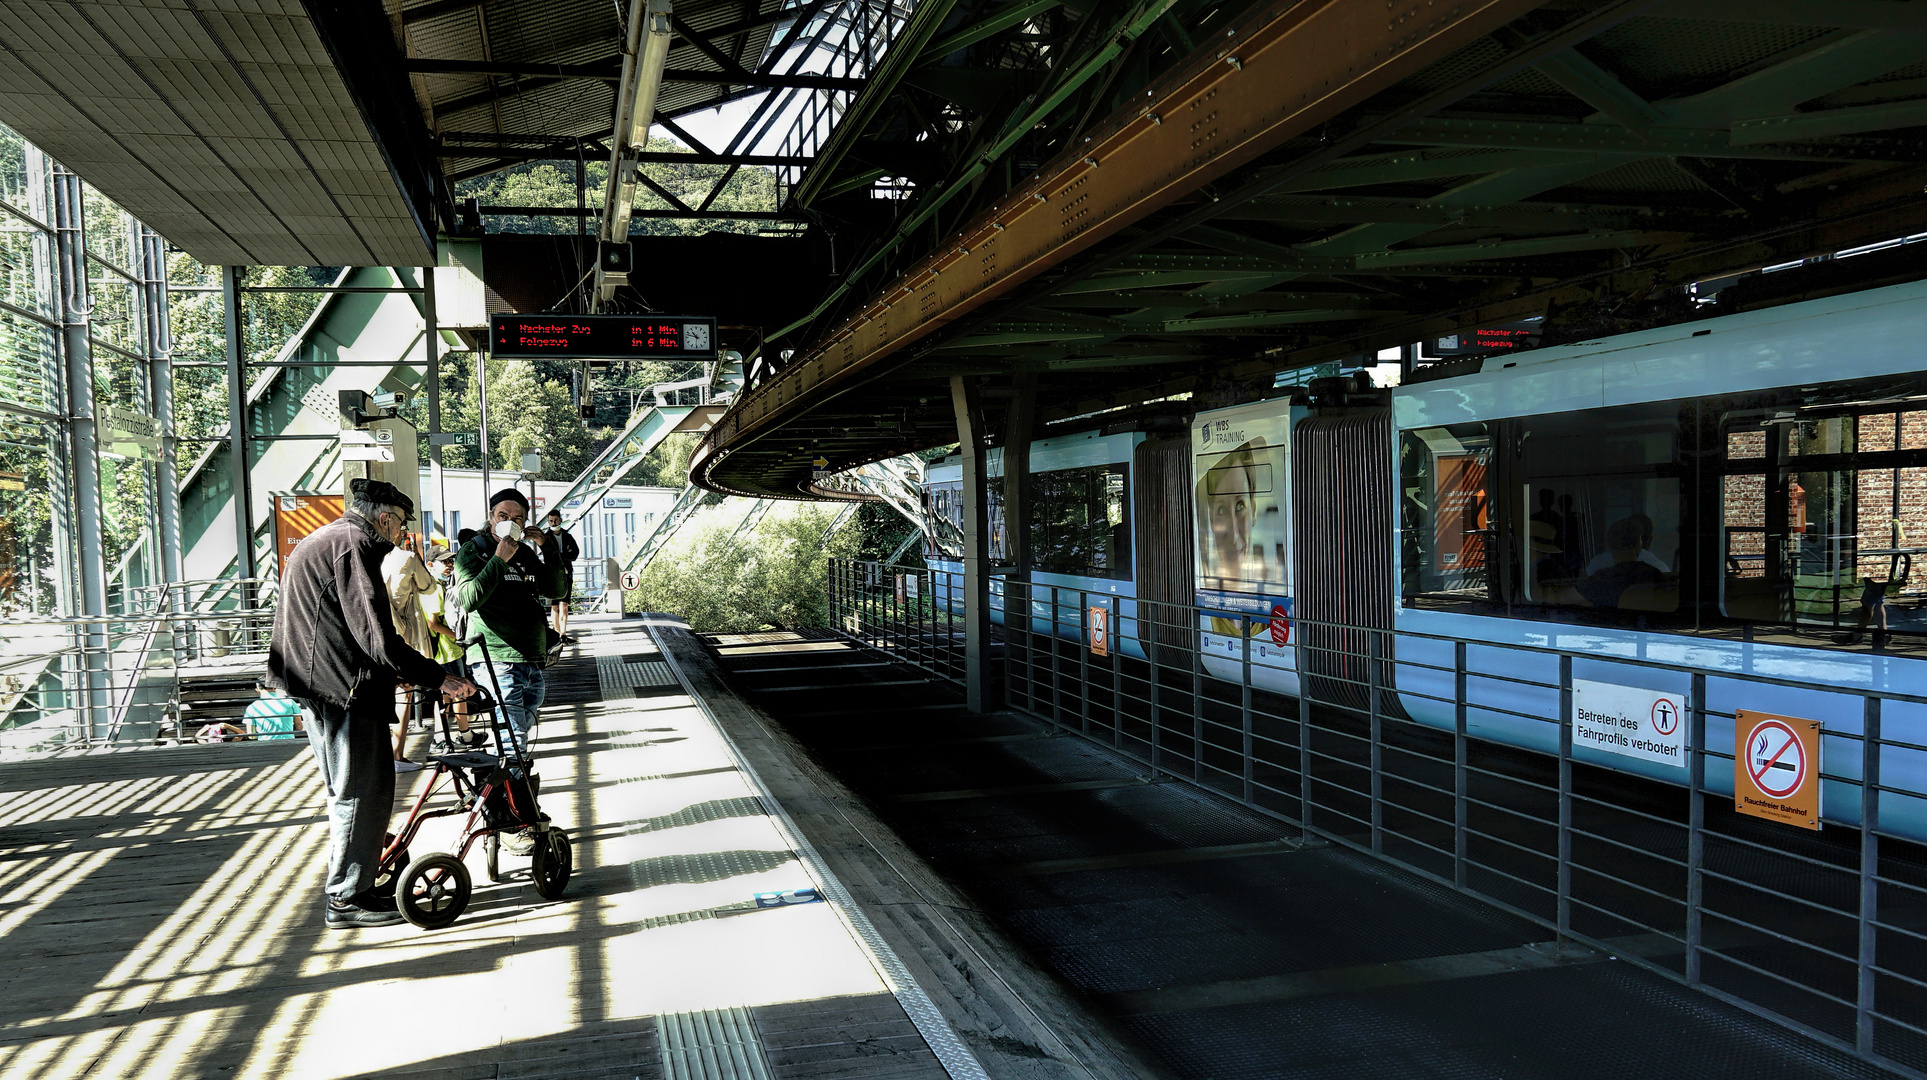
(160,916)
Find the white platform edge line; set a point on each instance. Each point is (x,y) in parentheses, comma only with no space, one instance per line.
(944,1042)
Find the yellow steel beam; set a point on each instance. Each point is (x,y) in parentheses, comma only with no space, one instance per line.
(1277,76)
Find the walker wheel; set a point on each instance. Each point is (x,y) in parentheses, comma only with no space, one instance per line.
(433,890)
(492,847)
(384,885)
(551,863)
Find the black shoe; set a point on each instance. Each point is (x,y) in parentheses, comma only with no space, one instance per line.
(362,911)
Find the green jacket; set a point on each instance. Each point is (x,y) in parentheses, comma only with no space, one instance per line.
(504,600)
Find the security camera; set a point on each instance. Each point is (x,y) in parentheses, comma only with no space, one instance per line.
(396,400)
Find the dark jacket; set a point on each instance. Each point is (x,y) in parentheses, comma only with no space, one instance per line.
(565,543)
(504,599)
(334,635)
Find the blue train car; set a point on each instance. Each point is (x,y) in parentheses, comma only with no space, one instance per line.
(1081,532)
(1742,496)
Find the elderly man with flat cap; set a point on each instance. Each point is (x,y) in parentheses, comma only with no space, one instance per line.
(335,650)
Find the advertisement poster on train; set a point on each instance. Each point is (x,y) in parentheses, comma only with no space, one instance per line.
(1776,768)
(297,514)
(1240,473)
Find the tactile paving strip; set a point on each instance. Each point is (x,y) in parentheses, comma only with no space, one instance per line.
(711,1044)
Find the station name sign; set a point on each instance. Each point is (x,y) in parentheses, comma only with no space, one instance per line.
(603,337)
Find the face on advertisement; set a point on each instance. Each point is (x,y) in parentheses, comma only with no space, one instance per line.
(1228,493)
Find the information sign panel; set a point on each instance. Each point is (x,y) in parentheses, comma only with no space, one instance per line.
(298,514)
(1630,721)
(603,337)
(1776,768)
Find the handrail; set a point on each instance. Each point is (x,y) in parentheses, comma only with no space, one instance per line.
(119,715)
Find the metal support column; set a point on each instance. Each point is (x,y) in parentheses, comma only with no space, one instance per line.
(481,417)
(1564,910)
(1869,875)
(976,544)
(1695,825)
(432,375)
(89,592)
(238,431)
(159,345)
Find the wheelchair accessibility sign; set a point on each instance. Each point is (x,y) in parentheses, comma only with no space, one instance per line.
(1776,768)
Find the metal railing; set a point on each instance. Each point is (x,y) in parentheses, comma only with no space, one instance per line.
(898,610)
(1454,759)
(76,683)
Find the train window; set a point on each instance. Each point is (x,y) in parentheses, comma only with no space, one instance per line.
(1823,512)
(1579,511)
(945,502)
(1080,521)
(1447,512)
(1599,527)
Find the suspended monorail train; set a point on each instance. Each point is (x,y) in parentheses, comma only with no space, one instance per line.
(1739,498)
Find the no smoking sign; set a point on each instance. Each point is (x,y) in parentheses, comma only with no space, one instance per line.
(1776,768)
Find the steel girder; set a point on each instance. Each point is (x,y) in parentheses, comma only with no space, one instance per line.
(1274,77)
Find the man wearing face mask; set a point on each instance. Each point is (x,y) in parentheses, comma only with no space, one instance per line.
(500,582)
(335,650)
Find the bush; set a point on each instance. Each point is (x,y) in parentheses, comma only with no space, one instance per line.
(773,577)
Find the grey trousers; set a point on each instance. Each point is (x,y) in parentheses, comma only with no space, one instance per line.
(357,763)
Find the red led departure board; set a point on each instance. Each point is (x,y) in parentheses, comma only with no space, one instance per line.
(604,337)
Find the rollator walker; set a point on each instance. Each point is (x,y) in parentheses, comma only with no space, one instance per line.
(497,794)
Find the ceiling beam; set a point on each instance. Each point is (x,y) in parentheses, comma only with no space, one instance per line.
(1854,14)
(1286,80)
(1826,122)
(1007,16)
(610,71)
(1650,142)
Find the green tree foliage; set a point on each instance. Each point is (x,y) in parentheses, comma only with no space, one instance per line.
(525,414)
(552,183)
(774,577)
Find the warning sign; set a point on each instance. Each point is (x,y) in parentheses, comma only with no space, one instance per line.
(1630,721)
(1100,632)
(1776,768)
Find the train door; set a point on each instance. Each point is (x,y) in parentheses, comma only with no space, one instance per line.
(1342,504)
(1161,494)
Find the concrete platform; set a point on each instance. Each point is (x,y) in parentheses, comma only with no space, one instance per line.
(160,916)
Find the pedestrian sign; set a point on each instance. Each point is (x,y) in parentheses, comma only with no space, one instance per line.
(1776,768)
(631,581)
(1630,721)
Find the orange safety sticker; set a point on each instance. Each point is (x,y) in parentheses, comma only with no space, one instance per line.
(1776,768)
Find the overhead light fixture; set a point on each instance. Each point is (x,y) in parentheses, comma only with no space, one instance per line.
(644,53)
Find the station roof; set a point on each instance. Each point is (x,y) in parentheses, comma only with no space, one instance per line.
(1183,200)
(234,128)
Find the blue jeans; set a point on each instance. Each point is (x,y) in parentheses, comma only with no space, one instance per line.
(520,691)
